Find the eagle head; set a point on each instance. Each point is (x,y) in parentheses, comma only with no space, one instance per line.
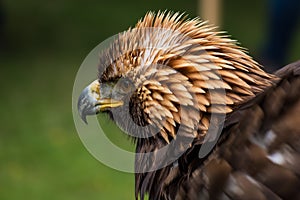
(170,72)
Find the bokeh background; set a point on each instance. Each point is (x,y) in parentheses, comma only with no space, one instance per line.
(42,45)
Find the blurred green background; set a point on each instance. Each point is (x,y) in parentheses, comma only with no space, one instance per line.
(42,45)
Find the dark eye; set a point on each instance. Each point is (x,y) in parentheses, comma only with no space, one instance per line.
(125,85)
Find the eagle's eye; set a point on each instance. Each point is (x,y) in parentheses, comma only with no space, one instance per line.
(125,86)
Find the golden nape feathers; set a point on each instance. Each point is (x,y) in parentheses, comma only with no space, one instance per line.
(214,123)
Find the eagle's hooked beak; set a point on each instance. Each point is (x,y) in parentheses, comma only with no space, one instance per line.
(90,101)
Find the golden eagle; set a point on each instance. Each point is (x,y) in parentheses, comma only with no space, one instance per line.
(232,130)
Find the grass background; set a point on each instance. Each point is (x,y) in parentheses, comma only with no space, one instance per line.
(41,48)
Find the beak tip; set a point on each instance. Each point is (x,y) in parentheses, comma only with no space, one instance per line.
(84,120)
(83,117)
(82,105)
